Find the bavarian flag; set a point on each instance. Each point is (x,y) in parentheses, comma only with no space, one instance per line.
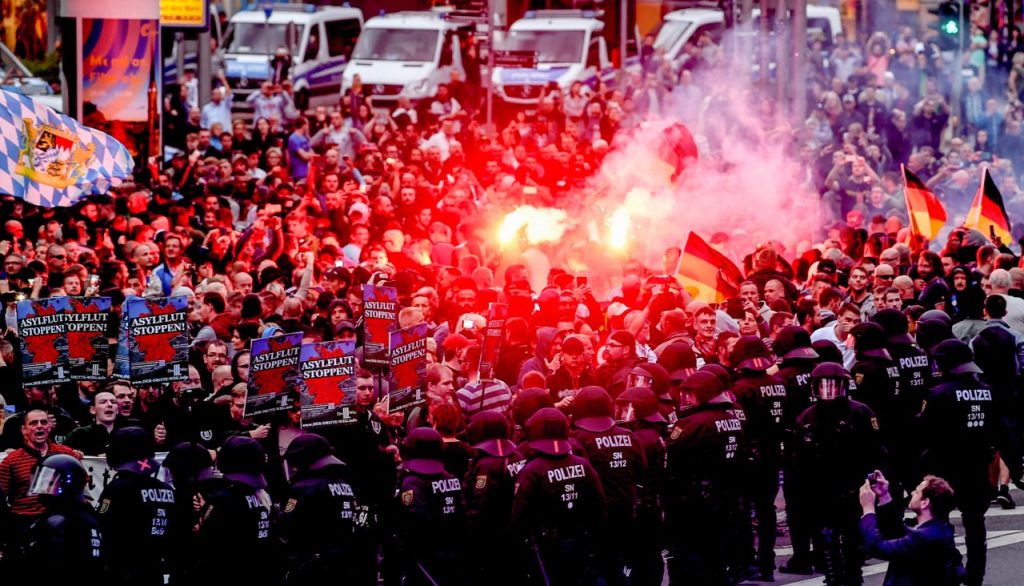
(988,214)
(51,160)
(927,216)
(706,274)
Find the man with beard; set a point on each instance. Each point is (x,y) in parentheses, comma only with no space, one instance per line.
(929,270)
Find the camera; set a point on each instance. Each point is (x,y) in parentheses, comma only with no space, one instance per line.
(873,478)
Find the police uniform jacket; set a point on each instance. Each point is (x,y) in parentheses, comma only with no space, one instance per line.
(67,544)
(877,385)
(619,461)
(959,426)
(763,398)
(558,496)
(137,513)
(234,539)
(487,489)
(320,514)
(705,452)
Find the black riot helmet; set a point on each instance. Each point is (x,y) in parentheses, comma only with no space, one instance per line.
(829,381)
(59,476)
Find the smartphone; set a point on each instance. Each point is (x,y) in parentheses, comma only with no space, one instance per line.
(273,208)
(339,263)
(529,190)
(94,280)
(468,324)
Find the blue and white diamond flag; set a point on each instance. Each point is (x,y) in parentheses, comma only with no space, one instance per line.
(51,160)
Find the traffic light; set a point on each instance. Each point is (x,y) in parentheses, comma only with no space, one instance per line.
(948,25)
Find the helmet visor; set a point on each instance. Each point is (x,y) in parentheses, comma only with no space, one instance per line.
(831,388)
(635,379)
(624,412)
(46,481)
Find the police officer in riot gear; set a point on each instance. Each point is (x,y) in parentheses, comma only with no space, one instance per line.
(559,505)
(234,539)
(797,359)
(959,430)
(188,468)
(616,455)
(637,409)
(838,444)
(136,510)
(915,378)
(876,378)
(430,515)
(487,489)
(703,481)
(321,519)
(66,543)
(763,398)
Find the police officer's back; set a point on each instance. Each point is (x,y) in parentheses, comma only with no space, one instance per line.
(189,469)
(136,510)
(876,378)
(793,347)
(430,519)
(66,543)
(559,505)
(321,521)
(487,489)
(959,428)
(705,455)
(234,537)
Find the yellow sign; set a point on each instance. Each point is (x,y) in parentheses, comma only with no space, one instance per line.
(183,13)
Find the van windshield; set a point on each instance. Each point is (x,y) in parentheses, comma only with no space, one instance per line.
(669,33)
(379,44)
(551,46)
(260,38)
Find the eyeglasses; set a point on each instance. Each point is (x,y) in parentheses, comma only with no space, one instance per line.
(217,355)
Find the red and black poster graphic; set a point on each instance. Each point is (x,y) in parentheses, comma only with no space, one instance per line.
(329,384)
(42,329)
(493,336)
(88,346)
(408,368)
(274,376)
(154,339)
(380,318)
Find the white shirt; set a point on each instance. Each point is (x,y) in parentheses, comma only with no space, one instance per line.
(1014,313)
(829,333)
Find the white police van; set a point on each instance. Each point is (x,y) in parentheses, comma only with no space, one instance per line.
(319,39)
(408,54)
(569,46)
(687,25)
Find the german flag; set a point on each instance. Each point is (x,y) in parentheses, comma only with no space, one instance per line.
(988,214)
(706,274)
(927,216)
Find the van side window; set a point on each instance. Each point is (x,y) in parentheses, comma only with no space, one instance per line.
(313,43)
(341,37)
(447,58)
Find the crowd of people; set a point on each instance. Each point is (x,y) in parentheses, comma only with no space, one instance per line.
(868,376)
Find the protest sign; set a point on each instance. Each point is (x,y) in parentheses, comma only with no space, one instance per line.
(274,376)
(328,379)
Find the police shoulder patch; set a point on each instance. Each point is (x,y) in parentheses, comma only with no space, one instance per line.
(858,378)
(104,506)
(290,505)
(676,432)
(874,423)
(407,497)
(481,482)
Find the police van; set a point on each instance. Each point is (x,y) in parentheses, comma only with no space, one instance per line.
(409,53)
(319,40)
(688,25)
(568,45)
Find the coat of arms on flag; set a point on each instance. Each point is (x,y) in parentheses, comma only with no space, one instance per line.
(53,156)
(50,160)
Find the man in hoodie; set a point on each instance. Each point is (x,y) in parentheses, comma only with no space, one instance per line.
(572,374)
(546,353)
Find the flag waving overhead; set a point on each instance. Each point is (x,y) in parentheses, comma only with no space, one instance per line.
(51,160)
(988,214)
(707,275)
(927,216)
